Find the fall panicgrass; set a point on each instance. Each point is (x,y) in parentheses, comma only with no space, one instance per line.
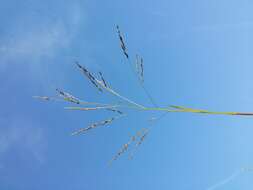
(127,103)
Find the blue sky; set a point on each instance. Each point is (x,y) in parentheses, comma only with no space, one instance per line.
(196,54)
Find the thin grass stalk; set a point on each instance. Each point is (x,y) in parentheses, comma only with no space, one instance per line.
(90,108)
(119,96)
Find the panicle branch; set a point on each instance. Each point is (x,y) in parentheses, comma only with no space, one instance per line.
(95,125)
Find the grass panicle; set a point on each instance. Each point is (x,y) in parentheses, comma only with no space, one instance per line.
(127,103)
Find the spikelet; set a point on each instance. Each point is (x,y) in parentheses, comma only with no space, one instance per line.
(142,70)
(142,138)
(90,77)
(68,97)
(122,44)
(103,80)
(139,68)
(122,150)
(94,125)
(45,98)
(115,110)
(139,137)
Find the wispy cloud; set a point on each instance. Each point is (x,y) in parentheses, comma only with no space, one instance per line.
(41,37)
(36,43)
(35,40)
(22,136)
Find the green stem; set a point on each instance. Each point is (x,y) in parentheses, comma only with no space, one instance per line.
(189,110)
